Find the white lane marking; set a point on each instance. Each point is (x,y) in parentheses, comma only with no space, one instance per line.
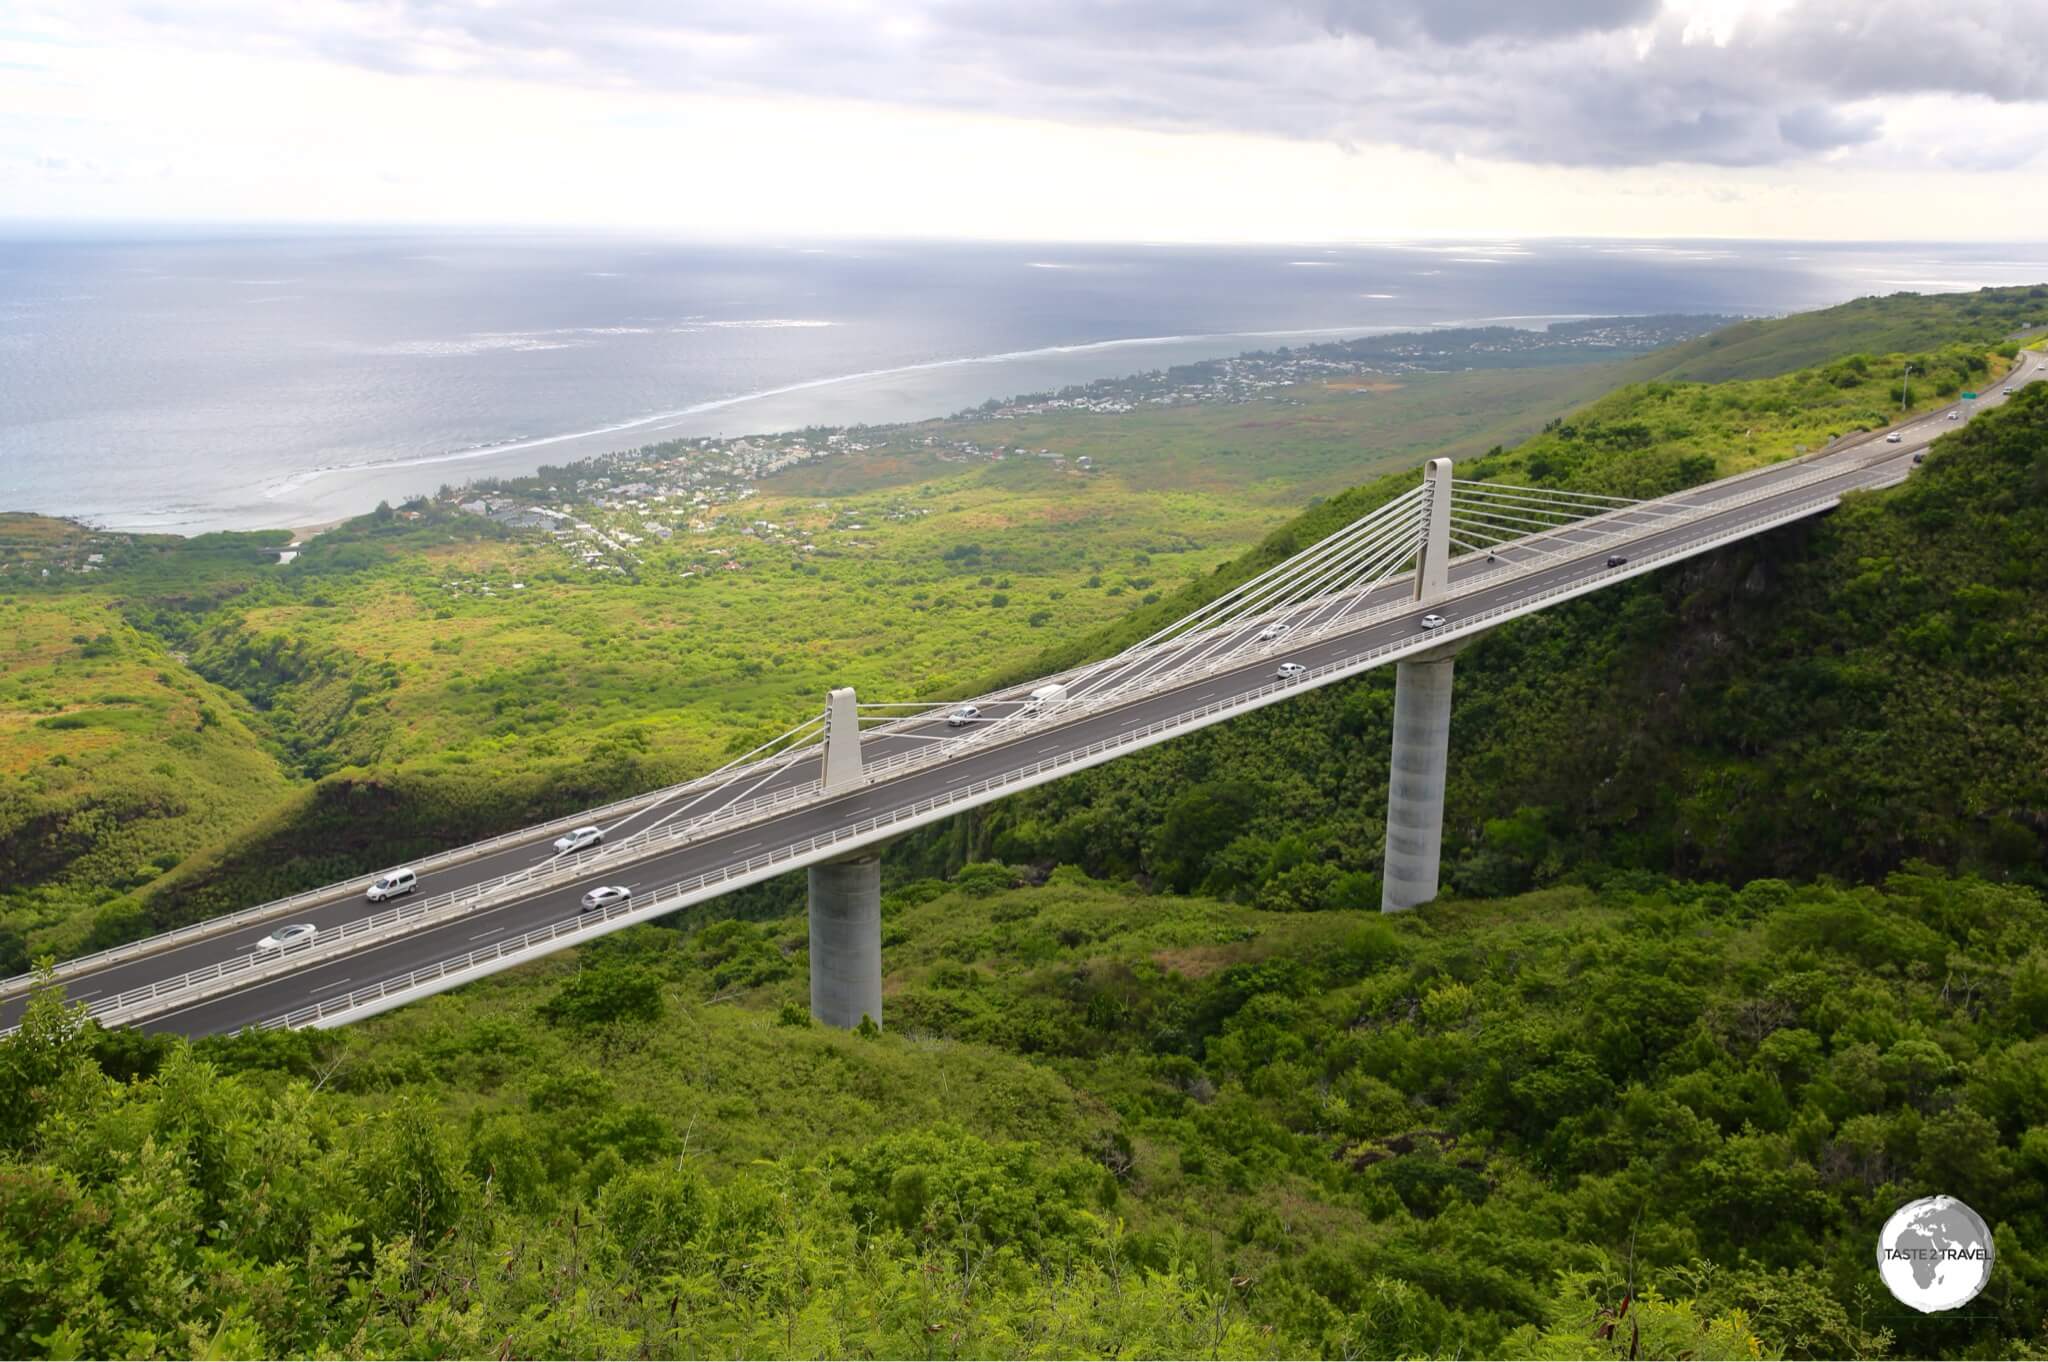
(336,984)
(751,846)
(81,997)
(492,932)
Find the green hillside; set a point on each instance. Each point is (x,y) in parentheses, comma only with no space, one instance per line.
(1100,1123)
(1901,323)
(1644,439)
(419,678)
(115,761)
(1834,698)
(1742,946)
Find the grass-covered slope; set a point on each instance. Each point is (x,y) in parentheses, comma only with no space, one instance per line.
(1100,1122)
(1642,440)
(1899,323)
(116,763)
(419,678)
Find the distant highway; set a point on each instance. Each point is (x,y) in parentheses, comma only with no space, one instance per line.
(1732,508)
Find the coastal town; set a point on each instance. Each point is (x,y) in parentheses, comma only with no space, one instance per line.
(605,512)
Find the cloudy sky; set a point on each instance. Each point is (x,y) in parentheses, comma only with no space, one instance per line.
(1039,119)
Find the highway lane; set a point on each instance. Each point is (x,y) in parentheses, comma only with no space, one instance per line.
(354,970)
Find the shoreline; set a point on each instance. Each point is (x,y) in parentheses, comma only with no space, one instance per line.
(661,429)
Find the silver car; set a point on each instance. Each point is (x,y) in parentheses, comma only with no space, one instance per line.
(1271,632)
(962,716)
(604,896)
(285,938)
(1289,670)
(1434,621)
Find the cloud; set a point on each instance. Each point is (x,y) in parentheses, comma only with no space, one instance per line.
(1402,23)
(1555,82)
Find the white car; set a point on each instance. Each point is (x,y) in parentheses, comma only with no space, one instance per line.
(962,716)
(1271,632)
(1955,416)
(1434,621)
(1892,438)
(284,938)
(1289,670)
(2007,392)
(604,896)
(391,884)
(579,839)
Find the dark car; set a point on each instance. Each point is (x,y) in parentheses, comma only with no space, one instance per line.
(1615,560)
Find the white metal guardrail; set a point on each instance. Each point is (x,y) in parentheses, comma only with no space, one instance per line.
(412,915)
(544,940)
(309,898)
(1609,536)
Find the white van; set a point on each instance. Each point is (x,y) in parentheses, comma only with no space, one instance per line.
(391,884)
(1044,696)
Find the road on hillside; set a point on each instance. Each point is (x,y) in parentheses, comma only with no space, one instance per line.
(1864,461)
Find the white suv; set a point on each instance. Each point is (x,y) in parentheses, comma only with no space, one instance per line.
(391,884)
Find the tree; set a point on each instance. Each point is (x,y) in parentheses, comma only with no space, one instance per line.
(605,994)
(53,1041)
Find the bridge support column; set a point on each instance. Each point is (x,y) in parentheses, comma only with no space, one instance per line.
(846,941)
(1422,723)
(1415,787)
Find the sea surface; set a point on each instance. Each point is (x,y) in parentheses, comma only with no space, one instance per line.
(187,381)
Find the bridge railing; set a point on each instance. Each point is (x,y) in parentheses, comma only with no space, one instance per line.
(682,893)
(410,915)
(340,889)
(1607,530)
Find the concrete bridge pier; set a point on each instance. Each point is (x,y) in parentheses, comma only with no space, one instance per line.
(1422,722)
(1415,786)
(846,941)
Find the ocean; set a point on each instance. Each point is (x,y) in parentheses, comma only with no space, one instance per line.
(189,381)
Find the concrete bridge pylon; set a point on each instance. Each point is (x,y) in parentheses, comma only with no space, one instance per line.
(1412,865)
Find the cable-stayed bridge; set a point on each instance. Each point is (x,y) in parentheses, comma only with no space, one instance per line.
(1406,585)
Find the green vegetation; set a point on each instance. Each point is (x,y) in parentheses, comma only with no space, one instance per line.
(1742,944)
(116,760)
(1100,1122)
(420,678)
(1902,322)
(1646,439)
(1323,438)
(1837,698)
